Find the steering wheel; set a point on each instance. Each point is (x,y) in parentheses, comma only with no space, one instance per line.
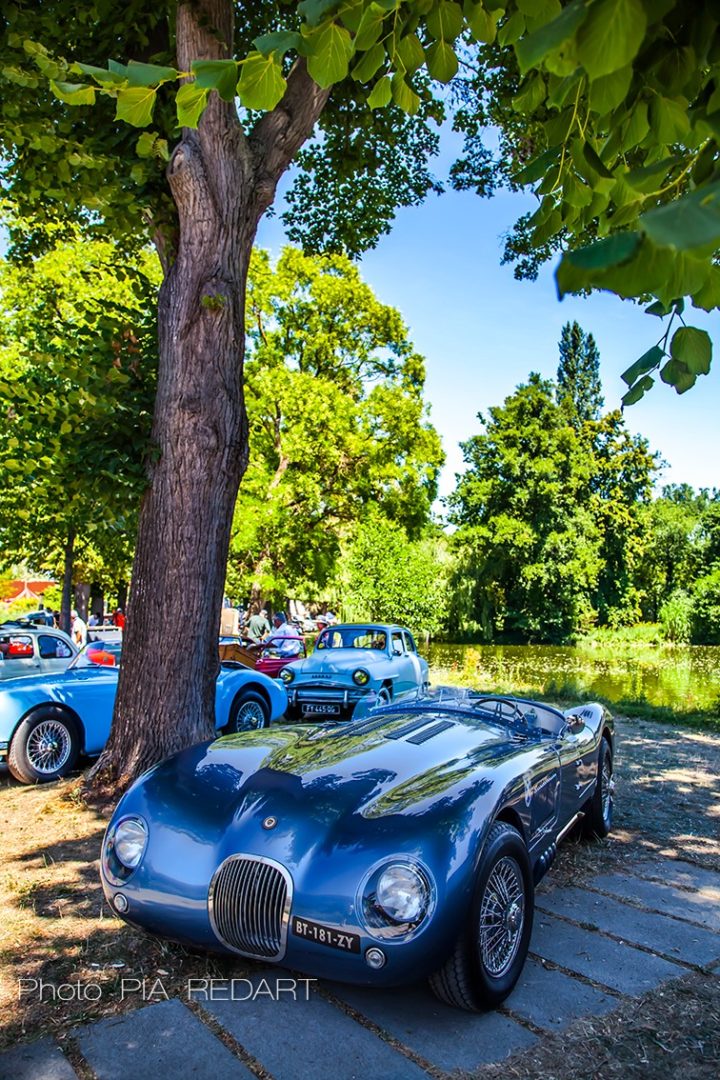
(517,715)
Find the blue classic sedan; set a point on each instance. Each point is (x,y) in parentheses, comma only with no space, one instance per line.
(402,845)
(47,721)
(352,663)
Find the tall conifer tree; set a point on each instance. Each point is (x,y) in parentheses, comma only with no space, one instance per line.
(578,375)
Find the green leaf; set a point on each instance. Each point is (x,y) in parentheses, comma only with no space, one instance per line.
(676,374)
(537,168)
(313,11)
(445,21)
(534,48)
(607,92)
(692,221)
(143,74)
(669,119)
(638,126)
(513,29)
(649,360)
(638,390)
(150,144)
(442,63)
(280,41)
(482,23)
(135,105)
(329,53)
(370,28)
(190,102)
(531,95)
(381,94)
(403,96)
(101,75)
(261,84)
(611,36)
(693,347)
(708,297)
(370,63)
(410,53)
(73,93)
(657,308)
(219,75)
(579,269)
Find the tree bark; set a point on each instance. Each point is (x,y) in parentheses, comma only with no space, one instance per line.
(66,601)
(222,183)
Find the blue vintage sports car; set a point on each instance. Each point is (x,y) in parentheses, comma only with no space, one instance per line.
(352,662)
(403,845)
(47,721)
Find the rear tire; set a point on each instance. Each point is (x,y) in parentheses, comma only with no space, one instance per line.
(45,747)
(250,712)
(599,808)
(490,952)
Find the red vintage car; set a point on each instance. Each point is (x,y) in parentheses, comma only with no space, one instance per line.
(275,654)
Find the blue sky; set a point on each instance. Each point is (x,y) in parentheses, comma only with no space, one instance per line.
(482,332)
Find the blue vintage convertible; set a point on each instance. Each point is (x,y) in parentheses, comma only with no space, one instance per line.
(402,845)
(47,721)
(354,663)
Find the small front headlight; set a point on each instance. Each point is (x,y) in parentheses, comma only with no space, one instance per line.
(360,677)
(129,842)
(287,674)
(402,893)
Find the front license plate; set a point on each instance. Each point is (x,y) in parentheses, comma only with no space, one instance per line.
(326,935)
(324,710)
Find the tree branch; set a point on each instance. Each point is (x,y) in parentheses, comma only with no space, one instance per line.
(278,135)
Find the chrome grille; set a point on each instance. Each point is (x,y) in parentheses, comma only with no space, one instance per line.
(249,903)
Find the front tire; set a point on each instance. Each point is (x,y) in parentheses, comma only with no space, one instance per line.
(45,747)
(490,952)
(250,712)
(599,808)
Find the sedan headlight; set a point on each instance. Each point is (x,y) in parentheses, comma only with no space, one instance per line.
(402,893)
(129,842)
(287,674)
(360,677)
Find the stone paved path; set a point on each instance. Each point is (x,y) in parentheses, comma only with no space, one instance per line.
(592,948)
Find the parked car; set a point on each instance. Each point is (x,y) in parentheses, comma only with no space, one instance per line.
(403,845)
(47,721)
(351,662)
(29,650)
(273,656)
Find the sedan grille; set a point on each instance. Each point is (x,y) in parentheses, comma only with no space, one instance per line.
(249,903)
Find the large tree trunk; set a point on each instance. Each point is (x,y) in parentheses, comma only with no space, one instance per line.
(222,183)
(66,601)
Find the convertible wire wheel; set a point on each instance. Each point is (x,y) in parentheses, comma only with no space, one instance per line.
(502,916)
(48,746)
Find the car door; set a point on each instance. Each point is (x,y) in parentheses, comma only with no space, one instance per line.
(578,763)
(402,665)
(54,653)
(418,674)
(91,693)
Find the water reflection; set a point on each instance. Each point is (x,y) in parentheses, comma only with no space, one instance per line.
(683,677)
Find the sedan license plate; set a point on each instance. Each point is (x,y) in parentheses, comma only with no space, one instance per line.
(326,935)
(324,710)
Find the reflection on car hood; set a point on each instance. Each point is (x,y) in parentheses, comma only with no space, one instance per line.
(327,775)
(339,661)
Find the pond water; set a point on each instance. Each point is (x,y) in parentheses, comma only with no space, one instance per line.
(683,678)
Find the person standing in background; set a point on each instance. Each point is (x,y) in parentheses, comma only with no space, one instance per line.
(258,627)
(78,629)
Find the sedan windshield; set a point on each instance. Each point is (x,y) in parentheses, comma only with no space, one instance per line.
(352,637)
(98,654)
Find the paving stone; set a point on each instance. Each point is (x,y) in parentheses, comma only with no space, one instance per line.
(42,1060)
(159,1040)
(553,1000)
(446,1037)
(621,967)
(702,906)
(676,872)
(308,1036)
(680,940)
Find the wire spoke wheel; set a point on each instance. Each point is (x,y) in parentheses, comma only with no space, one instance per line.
(49,747)
(606,789)
(250,716)
(502,917)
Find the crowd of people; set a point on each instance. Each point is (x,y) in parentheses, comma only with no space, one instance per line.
(284,635)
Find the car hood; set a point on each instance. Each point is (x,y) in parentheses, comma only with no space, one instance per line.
(322,778)
(338,661)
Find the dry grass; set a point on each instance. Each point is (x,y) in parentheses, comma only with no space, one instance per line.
(56,927)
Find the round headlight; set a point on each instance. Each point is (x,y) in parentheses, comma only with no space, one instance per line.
(360,677)
(129,842)
(287,674)
(402,893)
